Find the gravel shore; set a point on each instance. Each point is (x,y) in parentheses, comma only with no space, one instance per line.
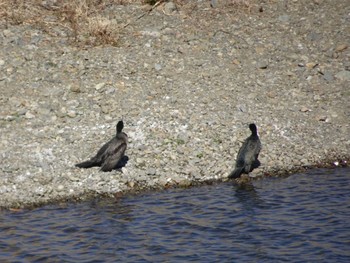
(187,81)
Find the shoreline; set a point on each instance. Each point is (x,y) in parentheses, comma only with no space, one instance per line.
(186,83)
(342,162)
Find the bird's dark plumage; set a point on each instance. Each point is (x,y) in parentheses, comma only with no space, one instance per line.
(247,157)
(110,154)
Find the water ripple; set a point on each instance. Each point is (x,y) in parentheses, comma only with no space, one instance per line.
(302,218)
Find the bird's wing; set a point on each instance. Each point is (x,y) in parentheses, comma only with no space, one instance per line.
(253,149)
(113,156)
(103,151)
(240,160)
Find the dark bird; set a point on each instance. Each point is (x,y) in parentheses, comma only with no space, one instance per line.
(247,157)
(110,154)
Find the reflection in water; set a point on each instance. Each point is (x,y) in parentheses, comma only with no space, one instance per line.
(247,195)
(300,218)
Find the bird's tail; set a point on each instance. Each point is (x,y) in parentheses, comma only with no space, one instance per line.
(87,164)
(236,173)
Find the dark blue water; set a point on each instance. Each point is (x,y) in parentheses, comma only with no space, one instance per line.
(302,218)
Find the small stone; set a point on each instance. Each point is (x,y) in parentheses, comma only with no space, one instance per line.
(323,118)
(7,33)
(169,8)
(108,118)
(74,88)
(9,118)
(180,50)
(236,62)
(151,171)
(343,75)
(71,114)
(2,62)
(105,109)
(140,161)
(29,115)
(99,86)
(341,47)
(328,76)
(263,64)
(185,183)
(60,188)
(311,65)
(272,94)
(213,3)
(313,36)
(304,161)
(284,18)
(62,112)
(21,112)
(157,67)
(304,109)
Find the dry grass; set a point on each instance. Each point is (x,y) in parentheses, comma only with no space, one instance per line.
(81,20)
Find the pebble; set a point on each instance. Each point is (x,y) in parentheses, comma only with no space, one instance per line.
(74,88)
(60,188)
(341,47)
(157,67)
(29,115)
(213,3)
(304,109)
(263,64)
(100,86)
(311,65)
(169,7)
(328,76)
(284,18)
(71,114)
(343,75)
(323,118)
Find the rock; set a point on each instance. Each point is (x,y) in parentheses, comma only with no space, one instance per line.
(323,118)
(341,47)
(100,86)
(263,64)
(62,112)
(304,109)
(29,115)
(213,3)
(157,67)
(60,188)
(105,109)
(313,36)
(236,62)
(151,171)
(284,18)
(343,75)
(169,7)
(75,88)
(328,76)
(71,114)
(9,118)
(311,65)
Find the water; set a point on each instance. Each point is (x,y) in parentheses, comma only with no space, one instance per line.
(302,218)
